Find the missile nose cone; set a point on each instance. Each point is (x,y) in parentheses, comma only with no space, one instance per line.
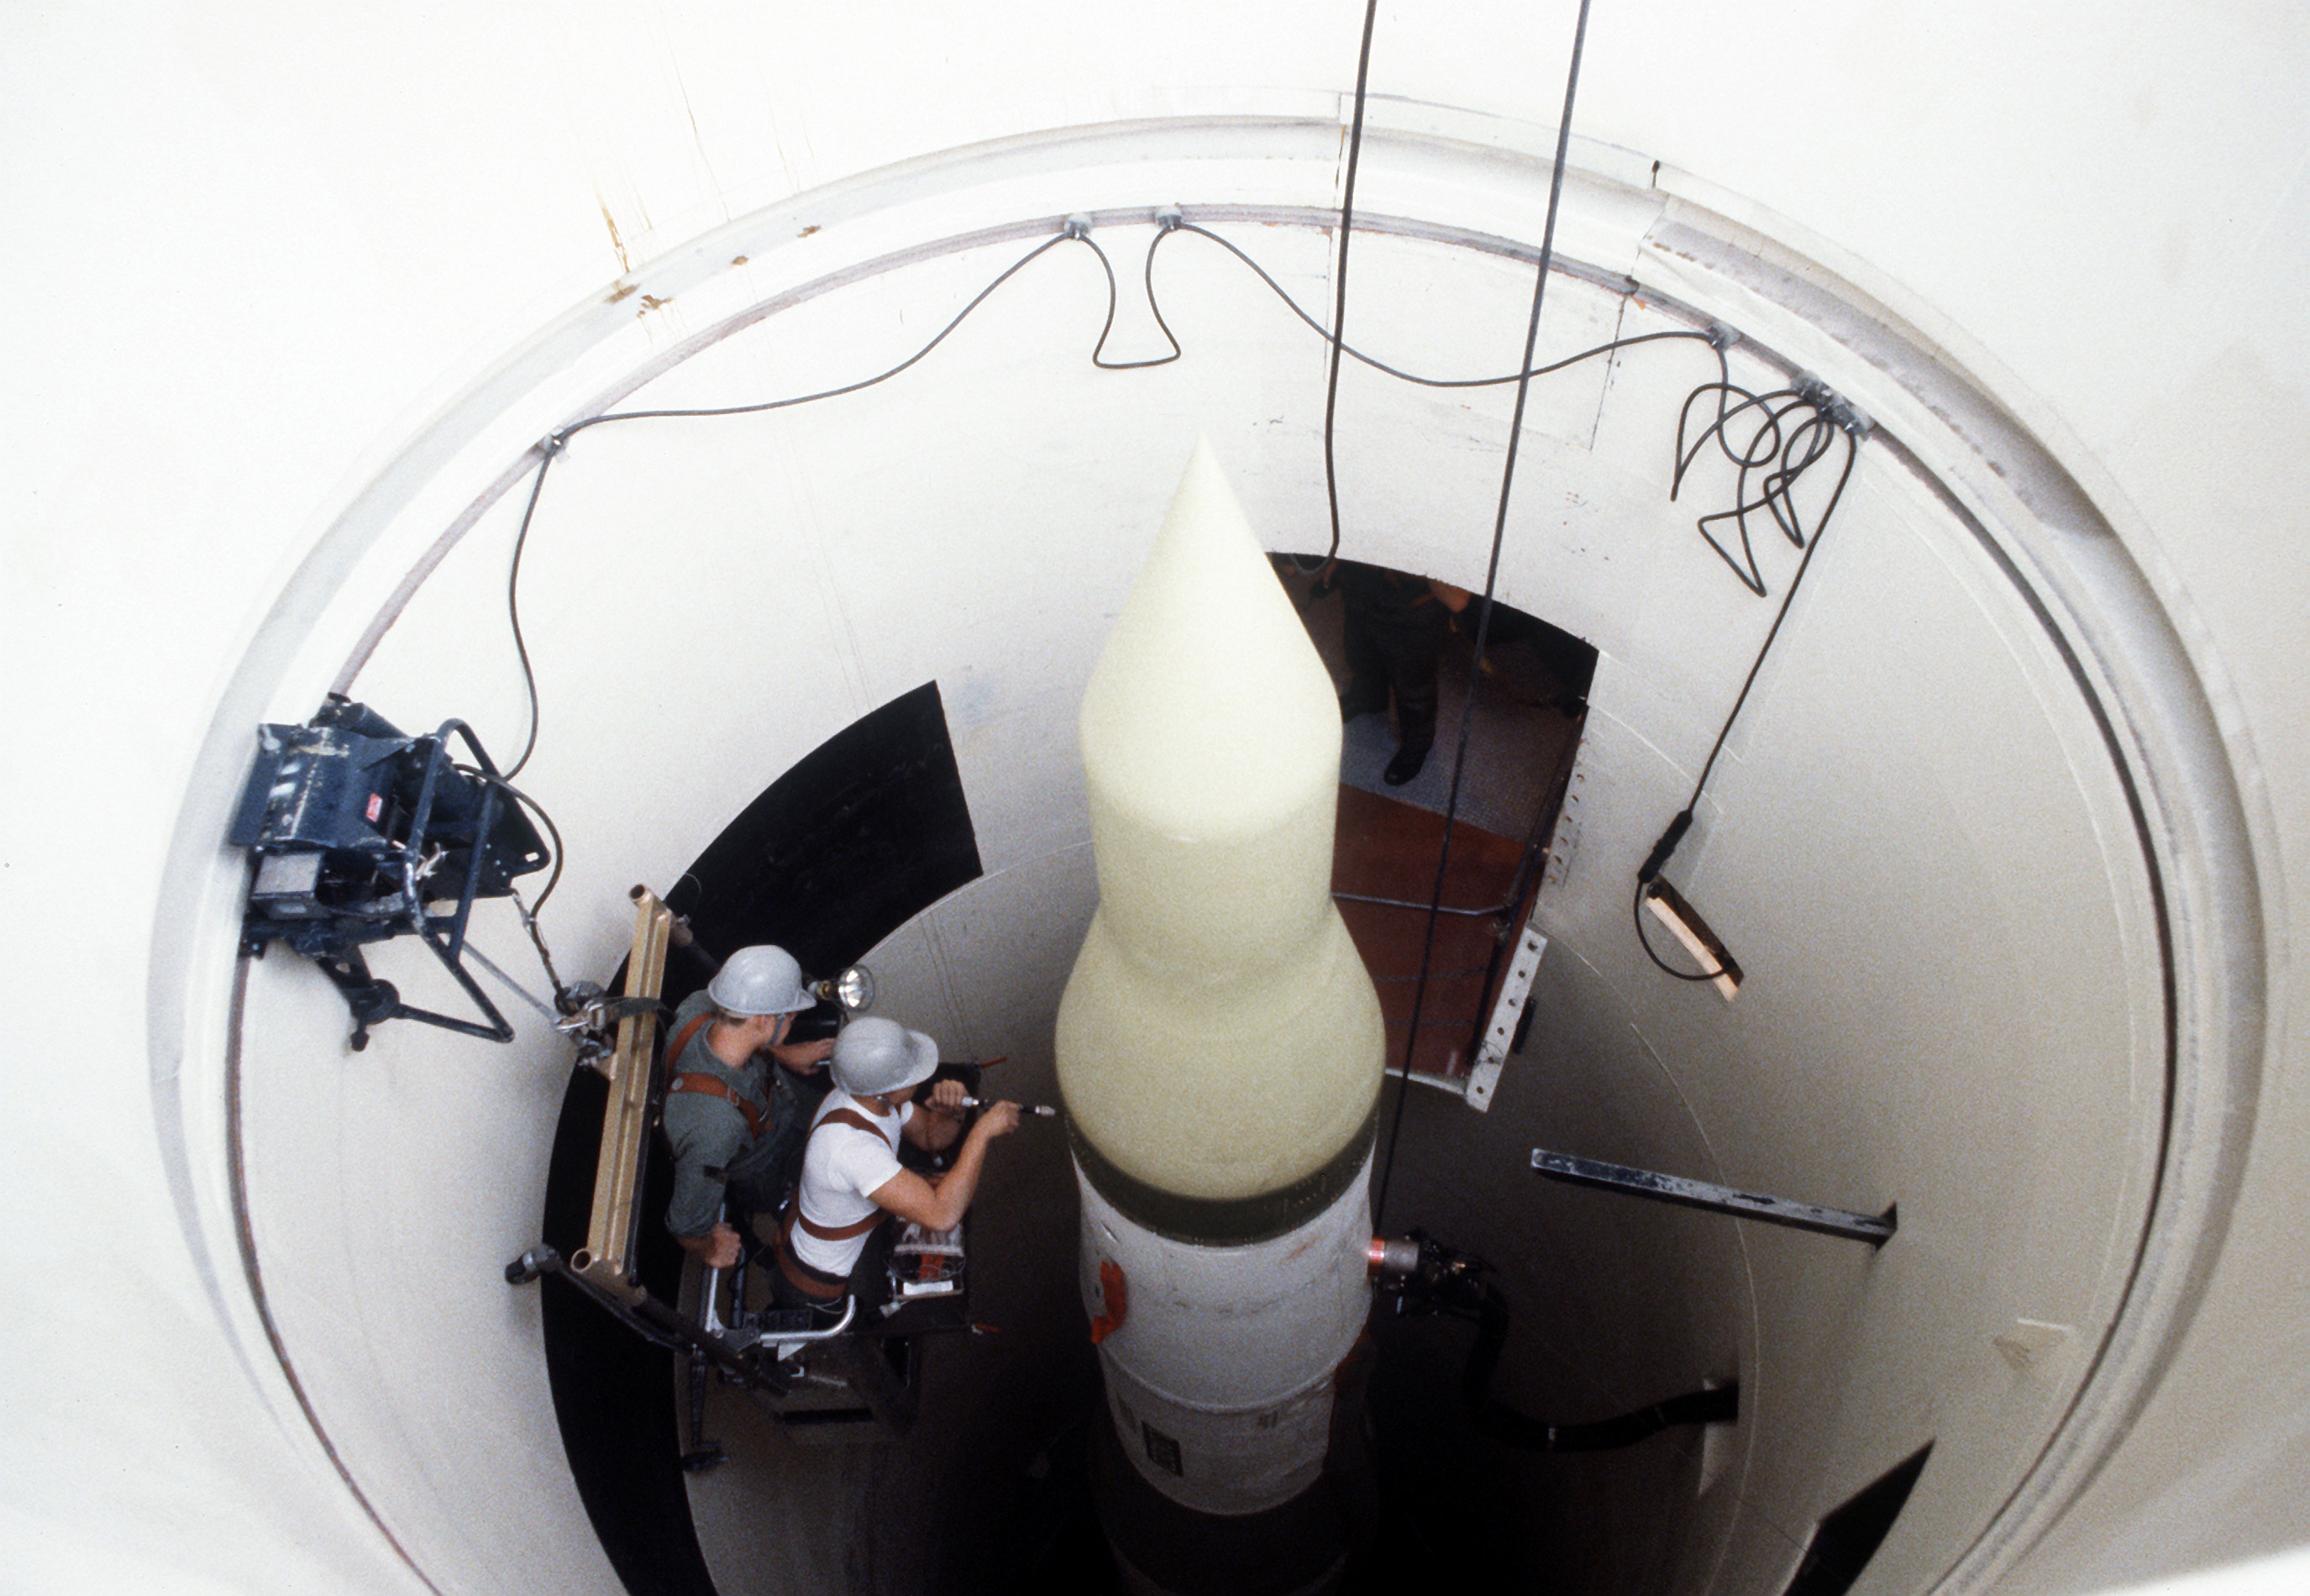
(1218,1038)
(1209,714)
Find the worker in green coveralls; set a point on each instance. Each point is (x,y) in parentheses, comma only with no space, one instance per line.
(736,1106)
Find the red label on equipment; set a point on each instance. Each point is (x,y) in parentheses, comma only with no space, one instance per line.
(376,807)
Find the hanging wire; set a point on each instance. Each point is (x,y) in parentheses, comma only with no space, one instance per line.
(1484,616)
(1099,350)
(1829,419)
(550,448)
(1339,282)
(552,445)
(1067,236)
(1788,450)
(529,911)
(1076,229)
(547,450)
(1342,347)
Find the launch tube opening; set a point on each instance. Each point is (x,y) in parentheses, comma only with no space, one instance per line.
(1650,1115)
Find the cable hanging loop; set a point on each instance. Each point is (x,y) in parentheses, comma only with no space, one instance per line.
(1793,429)
(1832,416)
(1078,228)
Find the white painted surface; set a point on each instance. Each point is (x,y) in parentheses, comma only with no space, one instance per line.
(1227,1354)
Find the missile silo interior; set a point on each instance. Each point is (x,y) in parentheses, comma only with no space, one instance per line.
(1999,835)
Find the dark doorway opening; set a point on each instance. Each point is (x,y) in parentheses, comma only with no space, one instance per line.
(1522,705)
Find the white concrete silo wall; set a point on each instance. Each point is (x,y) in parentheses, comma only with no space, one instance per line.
(749,585)
(249,256)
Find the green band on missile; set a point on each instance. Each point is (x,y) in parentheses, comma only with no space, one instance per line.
(1226,1221)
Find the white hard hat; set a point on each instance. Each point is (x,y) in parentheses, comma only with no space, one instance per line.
(761,980)
(874,1055)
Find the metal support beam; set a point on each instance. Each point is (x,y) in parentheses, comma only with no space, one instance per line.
(1508,1018)
(1724,1199)
(608,1258)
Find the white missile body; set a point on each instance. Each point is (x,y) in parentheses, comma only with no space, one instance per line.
(1220,1378)
(1219,1044)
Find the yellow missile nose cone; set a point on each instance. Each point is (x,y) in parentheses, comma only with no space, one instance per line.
(1218,1038)
(1210,714)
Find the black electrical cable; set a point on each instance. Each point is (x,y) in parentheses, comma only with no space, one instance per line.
(554,443)
(1826,423)
(1067,236)
(529,911)
(1791,453)
(1766,444)
(1484,615)
(547,450)
(1811,548)
(1636,914)
(1496,1419)
(1153,306)
(551,446)
(1339,276)
(1446,1282)
(1353,353)
(554,878)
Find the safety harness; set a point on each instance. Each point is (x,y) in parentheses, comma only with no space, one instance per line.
(708,1085)
(817,1283)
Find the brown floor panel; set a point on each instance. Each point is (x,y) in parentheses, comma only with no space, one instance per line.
(1388,849)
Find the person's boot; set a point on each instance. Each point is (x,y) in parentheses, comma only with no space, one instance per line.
(1404,766)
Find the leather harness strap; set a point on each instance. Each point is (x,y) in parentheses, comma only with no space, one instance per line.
(856,1121)
(682,1037)
(817,1283)
(712,1088)
(836,1232)
(708,1085)
(810,1282)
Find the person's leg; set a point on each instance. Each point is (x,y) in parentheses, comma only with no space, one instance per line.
(879,1368)
(1413,645)
(1368,666)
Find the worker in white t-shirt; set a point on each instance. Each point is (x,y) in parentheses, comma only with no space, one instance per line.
(851,1176)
